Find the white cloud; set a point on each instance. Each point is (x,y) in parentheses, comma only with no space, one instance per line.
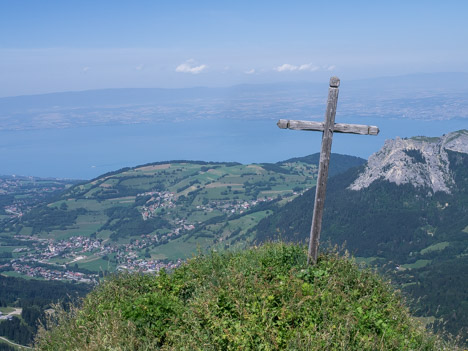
(331,68)
(140,67)
(189,67)
(250,71)
(286,67)
(292,68)
(85,69)
(308,67)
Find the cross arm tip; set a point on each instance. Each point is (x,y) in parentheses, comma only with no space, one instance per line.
(283,123)
(374,130)
(334,82)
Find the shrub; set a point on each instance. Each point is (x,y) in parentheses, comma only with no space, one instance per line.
(264,298)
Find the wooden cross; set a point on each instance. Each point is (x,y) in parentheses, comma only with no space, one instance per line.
(327,127)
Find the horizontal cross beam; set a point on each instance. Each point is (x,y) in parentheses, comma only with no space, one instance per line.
(337,127)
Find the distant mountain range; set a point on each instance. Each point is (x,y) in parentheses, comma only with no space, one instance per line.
(420,96)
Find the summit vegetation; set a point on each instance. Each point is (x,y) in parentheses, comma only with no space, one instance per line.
(418,237)
(263,298)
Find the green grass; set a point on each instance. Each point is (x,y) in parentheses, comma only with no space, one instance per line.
(435,247)
(26,231)
(18,275)
(6,310)
(248,221)
(90,205)
(177,248)
(417,264)
(104,234)
(147,177)
(264,298)
(200,216)
(8,248)
(85,225)
(59,260)
(366,260)
(96,265)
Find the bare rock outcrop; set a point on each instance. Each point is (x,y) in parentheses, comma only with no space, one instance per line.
(421,161)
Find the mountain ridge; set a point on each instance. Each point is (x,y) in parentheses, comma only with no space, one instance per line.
(416,235)
(420,161)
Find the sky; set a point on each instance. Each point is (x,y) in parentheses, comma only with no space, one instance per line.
(51,46)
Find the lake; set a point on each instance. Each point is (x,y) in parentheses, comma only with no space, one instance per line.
(86,152)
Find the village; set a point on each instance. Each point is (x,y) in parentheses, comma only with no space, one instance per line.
(168,200)
(58,259)
(84,258)
(41,257)
(26,192)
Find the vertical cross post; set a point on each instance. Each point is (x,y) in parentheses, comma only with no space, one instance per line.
(327,128)
(323,170)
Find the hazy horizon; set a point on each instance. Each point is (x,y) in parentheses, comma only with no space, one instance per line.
(54,46)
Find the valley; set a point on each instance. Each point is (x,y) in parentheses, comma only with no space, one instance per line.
(151,216)
(404,212)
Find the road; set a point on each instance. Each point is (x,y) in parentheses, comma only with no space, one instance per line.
(16,312)
(12,343)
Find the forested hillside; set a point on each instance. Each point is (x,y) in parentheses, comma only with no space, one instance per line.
(149,216)
(417,236)
(141,219)
(32,298)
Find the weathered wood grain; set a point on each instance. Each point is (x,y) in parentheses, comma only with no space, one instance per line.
(328,128)
(356,129)
(321,186)
(319,126)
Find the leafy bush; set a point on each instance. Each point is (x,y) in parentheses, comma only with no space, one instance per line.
(264,298)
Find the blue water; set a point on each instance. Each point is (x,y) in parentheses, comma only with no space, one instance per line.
(86,152)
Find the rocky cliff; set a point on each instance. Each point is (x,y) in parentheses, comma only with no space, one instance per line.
(421,161)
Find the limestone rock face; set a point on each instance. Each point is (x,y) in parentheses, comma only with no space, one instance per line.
(421,161)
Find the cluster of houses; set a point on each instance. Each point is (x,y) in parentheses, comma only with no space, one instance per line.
(13,185)
(38,257)
(232,206)
(51,274)
(32,262)
(158,200)
(14,210)
(148,266)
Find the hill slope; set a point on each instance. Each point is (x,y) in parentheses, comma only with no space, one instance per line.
(261,299)
(401,213)
(136,218)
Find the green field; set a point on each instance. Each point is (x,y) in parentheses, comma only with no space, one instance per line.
(96,264)
(18,275)
(436,247)
(368,261)
(170,210)
(8,248)
(6,310)
(180,248)
(417,264)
